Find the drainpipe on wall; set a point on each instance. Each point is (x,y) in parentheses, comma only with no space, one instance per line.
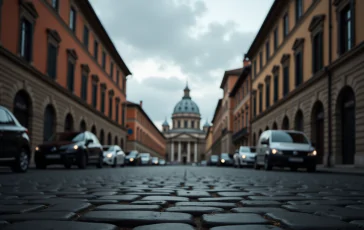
(329,81)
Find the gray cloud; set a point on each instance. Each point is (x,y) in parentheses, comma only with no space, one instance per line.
(161,30)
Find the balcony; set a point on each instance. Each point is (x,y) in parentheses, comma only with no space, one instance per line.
(240,133)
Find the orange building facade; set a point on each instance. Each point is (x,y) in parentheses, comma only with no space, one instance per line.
(307,71)
(223,121)
(240,95)
(60,71)
(143,136)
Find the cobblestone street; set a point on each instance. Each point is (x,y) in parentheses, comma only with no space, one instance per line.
(179,198)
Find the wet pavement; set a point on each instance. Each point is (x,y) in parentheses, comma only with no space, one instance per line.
(179,198)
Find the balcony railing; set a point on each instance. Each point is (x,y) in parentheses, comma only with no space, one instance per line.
(240,133)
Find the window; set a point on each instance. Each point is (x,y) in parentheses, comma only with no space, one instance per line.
(346,29)
(117,77)
(111,70)
(254,106)
(275,39)
(26,40)
(267,50)
(298,9)
(110,105)
(55,4)
(73,15)
(255,69)
(117,112)
(179,124)
(96,50)
(84,80)
(94,95)
(267,94)
(276,88)
(285,25)
(299,68)
(85,36)
(103,101)
(317,52)
(70,76)
(103,60)
(186,124)
(52,60)
(192,124)
(260,61)
(285,80)
(260,99)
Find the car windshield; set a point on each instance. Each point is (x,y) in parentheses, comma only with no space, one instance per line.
(155,159)
(144,155)
(289,137)
(225,155)
(133,154)
(245,149)
(108,148)
(214,157)
(74,137)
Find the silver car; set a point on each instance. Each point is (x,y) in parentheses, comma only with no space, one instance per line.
(245,156)
(284,148)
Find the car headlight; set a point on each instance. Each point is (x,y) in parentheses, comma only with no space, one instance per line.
(276,151)
(243,156)
(109,155)
(75,147)
(131,159)
(222,161)
(37,148)
(313,153)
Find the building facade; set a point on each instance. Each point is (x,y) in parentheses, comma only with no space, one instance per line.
(209,142)
(241,109)
(307,71)
(223,121)
(185,139)
(143,135)
(60,71)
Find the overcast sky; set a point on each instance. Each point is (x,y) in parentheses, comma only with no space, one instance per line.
(166,42)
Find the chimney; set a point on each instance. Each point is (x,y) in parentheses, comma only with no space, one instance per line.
(246,61)
(141,104)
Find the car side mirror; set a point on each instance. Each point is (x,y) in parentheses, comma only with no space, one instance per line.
(264,142)
(89,141)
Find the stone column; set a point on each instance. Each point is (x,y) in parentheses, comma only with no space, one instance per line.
(172,151)
(179,151)
(189,152)
(196,143)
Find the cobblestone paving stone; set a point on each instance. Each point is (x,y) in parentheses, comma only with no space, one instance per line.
(180,198)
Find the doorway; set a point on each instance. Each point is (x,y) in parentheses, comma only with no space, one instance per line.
(184,160)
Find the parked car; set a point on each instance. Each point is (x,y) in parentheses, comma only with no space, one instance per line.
(283,148)
(69,148)
(214,159)
(113,155)
(225,159)
(155,161)
(15,147)
(162,162)
(203,163)
(144,159)
(131,158)
(245,156)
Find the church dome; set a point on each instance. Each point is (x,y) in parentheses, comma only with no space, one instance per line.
(186,105)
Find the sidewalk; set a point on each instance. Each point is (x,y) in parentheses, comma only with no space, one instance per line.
(342,169)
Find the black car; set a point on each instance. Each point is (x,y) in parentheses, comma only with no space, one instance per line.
(69,148)
(14,142)
(130,159)
(226,160)
(214,159)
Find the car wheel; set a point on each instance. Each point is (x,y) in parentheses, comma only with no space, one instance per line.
(100,163)
(21,163)
(311,168)
(82,161)
(267,165)
(115,163)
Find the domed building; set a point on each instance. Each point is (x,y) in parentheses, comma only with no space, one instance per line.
(185,139)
